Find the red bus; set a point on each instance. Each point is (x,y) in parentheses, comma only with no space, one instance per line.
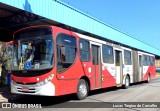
(52,61)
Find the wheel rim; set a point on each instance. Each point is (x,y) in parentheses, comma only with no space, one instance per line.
(83,89)
(127,82)
(148,78)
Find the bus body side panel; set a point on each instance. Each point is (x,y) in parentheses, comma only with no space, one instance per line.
(88,72)
(128,69)
(67,80)
(153,71)
(146,71)
(87,67)
(108,75)
(149,70)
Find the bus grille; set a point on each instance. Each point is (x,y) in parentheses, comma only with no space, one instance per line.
(33,83)
(29,90)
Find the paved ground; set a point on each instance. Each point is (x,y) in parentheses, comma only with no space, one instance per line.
(97,100)
(5,94)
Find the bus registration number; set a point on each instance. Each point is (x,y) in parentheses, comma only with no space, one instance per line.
(25,89)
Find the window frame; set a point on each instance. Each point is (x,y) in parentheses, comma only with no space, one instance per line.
(59,45)
(148,60)
(126,52)
(81,39)
(111,55)
(17,54)
(152,61)
(145,60)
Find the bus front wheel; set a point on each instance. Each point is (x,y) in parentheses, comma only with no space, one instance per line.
(82,89)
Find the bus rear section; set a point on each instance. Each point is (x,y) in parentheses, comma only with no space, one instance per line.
(147,68)
(144,66)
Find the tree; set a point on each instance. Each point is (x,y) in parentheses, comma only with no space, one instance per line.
(5,60)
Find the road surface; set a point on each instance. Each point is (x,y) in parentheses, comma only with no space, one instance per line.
(114,98)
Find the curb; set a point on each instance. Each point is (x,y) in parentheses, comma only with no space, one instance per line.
(2,99)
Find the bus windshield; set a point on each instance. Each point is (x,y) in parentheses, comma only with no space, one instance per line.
(33,53)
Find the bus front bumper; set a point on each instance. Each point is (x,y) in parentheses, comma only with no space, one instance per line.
(44,90)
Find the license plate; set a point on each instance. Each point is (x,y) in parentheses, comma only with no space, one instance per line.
(25,89)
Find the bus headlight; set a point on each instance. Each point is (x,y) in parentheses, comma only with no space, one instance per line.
(49,78)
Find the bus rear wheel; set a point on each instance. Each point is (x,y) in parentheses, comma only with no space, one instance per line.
(148,78)
(127,82)
(82,89)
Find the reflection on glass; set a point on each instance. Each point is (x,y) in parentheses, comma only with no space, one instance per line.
(33,54)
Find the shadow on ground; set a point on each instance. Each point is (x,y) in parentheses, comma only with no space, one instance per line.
(6,93)
(59,101)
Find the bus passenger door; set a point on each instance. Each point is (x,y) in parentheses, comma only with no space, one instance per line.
(96,58)
(118,66)
(140,68)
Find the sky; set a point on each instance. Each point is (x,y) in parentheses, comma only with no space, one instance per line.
(138,18)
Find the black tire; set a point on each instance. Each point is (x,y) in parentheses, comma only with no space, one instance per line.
(148,78)
(127,82)
(82,89)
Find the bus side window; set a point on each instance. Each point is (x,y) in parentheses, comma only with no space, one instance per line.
(84,50)
(107,52)
(144,60)
(127,57)
(148,61)
(66,51)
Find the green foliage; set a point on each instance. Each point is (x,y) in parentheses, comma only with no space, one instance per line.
(5,56)
(5,62)
(2,52)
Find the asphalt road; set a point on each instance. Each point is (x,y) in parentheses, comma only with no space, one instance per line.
(102,99)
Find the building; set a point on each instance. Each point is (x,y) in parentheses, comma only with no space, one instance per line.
(24,13)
